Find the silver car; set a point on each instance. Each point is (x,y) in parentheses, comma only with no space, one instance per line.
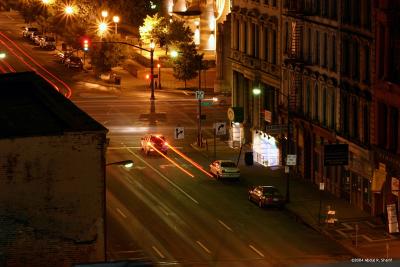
(224,169)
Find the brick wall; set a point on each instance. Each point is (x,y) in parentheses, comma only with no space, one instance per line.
(55,184)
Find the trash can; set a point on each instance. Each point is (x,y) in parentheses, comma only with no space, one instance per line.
(248,158)
(117,80)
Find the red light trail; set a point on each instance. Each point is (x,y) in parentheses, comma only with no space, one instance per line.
(69,91)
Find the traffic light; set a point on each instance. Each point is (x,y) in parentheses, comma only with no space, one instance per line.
(86,44)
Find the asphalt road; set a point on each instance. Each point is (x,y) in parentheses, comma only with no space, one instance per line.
(165,209)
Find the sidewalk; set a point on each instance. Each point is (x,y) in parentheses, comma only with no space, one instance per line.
(363,235)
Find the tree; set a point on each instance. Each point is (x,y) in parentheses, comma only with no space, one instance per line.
(105,56)
(188,63)
(151,26)
(29,10)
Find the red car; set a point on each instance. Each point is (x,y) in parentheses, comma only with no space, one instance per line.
(266,195)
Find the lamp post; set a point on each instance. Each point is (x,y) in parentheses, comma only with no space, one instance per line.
(116,20)
(152,45)
(127,164)
(104,13)
(159,76)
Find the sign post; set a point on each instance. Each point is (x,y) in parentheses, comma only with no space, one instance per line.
(179,133)
(199,96)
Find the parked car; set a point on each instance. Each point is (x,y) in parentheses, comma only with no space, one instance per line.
(48,42)
(63,55)
(74,62)
(224,169)
(33,36)
(27,31)
(153,142)
(266,195)
(36,39)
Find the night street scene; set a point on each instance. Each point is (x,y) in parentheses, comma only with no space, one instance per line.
(199,133)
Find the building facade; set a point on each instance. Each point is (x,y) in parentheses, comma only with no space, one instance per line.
(326,75)
(386,103)
(255,62)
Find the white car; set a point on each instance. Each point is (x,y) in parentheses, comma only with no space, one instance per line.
(224,169)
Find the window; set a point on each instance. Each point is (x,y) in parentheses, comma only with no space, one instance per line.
(324,106)
(381,47)
(316,102)
(246,38)
(333,53)
(356,61)
(366,124)
(317,51)
(346,11)
(325,8)
(325,50)
(286,41)
(308,98)
(346,58)
(355,118)
(309,44)
(316,7)
(356,12)
(367,19)
(266,46)
(382,125)
(334,9)
(367,74)
(332,108)
(344,114)
(238,37)
(256,44)
(273,47)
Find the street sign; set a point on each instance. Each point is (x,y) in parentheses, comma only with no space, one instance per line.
(199,94)
(179,133)
(220,128)
(336,154)
(277,128)
(291,160)
(205,104)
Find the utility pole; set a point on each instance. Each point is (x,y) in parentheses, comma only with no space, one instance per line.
(199,141)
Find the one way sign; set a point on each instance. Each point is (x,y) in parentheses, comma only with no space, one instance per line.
(220,128)
(179,133)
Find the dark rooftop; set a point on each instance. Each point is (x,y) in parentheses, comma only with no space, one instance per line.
(30,106)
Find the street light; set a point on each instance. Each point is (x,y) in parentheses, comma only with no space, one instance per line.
(47,2)
(69,10)
(116,20)
(2,55)
(104,13)
(152,46)
(102,28)
(159,76)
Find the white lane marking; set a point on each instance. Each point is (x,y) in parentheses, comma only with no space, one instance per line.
(164,210)
(203,247)
(185,93)
(158,252)
(224,225)
(120,212)
(256,250)
(164,177)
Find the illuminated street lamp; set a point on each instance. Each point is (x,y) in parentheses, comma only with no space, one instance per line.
(116,20)
(104,13)
(102,29)
(174,53)
(159,76)
(2,55)
(152,46)
(69,10)
(47,2)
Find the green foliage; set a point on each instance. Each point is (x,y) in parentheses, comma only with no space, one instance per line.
(188,62)
(135,11)
(151,27)
(105,56)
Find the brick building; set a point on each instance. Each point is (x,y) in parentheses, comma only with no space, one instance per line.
(52,174)
(385,122)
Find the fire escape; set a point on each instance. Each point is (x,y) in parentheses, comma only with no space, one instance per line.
(294,55)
